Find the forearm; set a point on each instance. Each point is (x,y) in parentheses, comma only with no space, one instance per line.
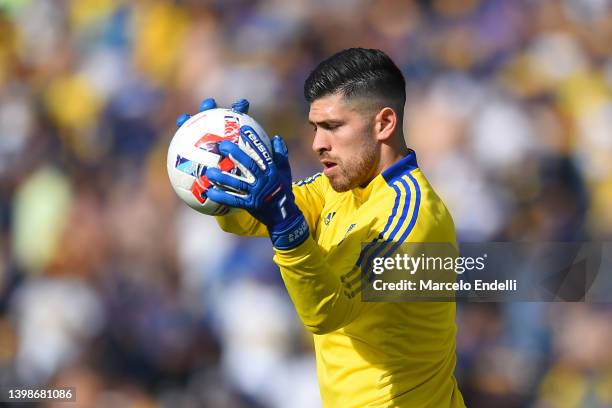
(240,222)
(320,298)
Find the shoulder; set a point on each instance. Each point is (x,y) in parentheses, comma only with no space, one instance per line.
(408,212)
(434,223)
(398,206)
(407,179)
(417,212)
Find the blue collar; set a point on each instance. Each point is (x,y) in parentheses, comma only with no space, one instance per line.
(405,165)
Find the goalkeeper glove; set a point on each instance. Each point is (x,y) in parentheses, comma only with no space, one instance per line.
(269,197)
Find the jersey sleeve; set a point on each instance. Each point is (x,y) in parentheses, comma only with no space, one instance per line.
(320,284)
(309,197)
(325,285)
(240,222)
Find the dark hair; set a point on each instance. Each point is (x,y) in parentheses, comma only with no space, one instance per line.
(358,72)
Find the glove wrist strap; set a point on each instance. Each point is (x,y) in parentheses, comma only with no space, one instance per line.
(291,236)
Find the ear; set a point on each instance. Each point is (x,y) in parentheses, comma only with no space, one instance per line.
(385,124)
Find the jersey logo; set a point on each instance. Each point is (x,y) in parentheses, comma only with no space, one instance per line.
(328,218)
(348,230)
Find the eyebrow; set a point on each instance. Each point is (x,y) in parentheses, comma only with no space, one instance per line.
(326,122)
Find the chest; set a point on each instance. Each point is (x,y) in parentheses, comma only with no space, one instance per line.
(341,218)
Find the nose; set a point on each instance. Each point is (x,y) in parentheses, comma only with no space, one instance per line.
(320,142)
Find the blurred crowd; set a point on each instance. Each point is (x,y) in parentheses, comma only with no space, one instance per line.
(109,284)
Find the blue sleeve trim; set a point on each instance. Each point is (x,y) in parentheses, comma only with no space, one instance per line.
(413,220)
(386,227)
(352,278)
(402,219)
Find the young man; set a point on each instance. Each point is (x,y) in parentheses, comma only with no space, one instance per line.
(323,228)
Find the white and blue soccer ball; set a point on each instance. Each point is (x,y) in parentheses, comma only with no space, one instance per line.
(194,148)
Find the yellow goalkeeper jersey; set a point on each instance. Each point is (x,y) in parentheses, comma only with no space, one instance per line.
(369,354)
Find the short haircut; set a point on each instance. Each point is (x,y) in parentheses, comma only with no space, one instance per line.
(359,73)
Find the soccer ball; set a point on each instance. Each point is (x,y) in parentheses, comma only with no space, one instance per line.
(194,148)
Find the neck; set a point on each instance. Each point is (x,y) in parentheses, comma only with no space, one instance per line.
(391,154)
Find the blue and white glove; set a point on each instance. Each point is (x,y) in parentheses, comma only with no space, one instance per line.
(269,197)
(241,106)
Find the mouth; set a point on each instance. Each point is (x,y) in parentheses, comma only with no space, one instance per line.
(328,166)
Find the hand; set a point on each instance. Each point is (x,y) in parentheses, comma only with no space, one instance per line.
(268,197)
(241,106)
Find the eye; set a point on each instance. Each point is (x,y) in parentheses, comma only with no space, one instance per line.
(331,126)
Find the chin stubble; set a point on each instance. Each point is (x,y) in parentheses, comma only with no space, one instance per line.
(356,171)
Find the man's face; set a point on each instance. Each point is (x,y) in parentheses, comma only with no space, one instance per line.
(345,142)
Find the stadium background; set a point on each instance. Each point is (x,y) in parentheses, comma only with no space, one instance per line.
(109,284)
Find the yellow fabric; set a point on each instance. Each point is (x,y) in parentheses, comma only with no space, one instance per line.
(368,354)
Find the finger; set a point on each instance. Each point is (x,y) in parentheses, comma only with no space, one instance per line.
(207,104)
(226,198)
(240,158)
(228,180)
(250,137)
(241,106)
(182,119)
(281,153)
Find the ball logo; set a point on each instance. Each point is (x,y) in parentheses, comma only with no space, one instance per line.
(231,132)
(210,143)
(232,128)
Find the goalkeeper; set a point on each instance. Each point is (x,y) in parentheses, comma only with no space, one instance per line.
(371,190)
